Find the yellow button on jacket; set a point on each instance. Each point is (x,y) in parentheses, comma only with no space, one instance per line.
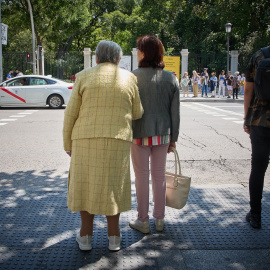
(103,103)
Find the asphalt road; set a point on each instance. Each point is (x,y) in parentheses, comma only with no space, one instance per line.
(212,146)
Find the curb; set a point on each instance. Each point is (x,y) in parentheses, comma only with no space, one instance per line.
(187,99)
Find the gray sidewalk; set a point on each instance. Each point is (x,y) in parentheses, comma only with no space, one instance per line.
(209,99)
(38,232)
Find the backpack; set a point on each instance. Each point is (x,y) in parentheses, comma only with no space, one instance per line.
(262,77)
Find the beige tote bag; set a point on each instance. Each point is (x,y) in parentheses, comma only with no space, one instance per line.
(177,186)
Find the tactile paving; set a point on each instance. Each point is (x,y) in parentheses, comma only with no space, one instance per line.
(38,231)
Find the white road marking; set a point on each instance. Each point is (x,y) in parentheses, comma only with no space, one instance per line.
(229,106)
(8,119)
(19,115)
(215,110)
(220,110)
(229,118)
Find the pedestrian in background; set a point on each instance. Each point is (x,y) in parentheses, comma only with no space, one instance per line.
(229,84)
(15,74)
(257,125)
(222,83)
(242,83)
(175,74)
(199,84)
(97,135)
(213,84)
(195,80)
(184,84)
(155,133)
(9,75)
(235,84)
(204,81)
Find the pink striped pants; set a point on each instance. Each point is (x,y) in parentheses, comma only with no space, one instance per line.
(140,158)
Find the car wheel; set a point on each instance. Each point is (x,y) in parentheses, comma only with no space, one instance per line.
(55,101)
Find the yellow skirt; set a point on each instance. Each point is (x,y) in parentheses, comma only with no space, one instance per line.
(99,176)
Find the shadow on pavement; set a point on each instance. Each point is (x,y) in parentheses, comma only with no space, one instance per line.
(38,231)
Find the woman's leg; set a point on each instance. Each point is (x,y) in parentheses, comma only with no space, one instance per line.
(140,160)
(195,89)
(87,223)
(113,225)
(158,166)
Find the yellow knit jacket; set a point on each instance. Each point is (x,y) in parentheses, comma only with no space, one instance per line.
(103,103)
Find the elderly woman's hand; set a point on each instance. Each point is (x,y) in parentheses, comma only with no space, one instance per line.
(172,144)
(69,153)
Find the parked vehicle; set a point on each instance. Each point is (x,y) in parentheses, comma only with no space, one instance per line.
(35,90)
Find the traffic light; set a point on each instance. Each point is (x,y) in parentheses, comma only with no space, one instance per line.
(28,57)
(39,51)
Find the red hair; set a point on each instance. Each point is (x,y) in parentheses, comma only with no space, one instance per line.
(152,49)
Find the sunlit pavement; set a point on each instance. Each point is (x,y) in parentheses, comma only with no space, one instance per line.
(199,98)
(210,232)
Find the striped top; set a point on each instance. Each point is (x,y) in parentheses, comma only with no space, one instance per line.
(153,140)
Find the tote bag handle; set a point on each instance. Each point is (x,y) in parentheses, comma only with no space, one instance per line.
(177,161)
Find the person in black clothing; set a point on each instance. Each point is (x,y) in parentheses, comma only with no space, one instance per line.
(229,84)
(15,74)
(257,125)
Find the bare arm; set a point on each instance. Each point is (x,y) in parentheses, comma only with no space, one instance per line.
(249,89)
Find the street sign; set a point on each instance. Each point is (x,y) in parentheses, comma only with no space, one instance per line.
(4,34)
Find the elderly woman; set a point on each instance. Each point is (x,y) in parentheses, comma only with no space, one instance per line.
(195,80)
(156,132)
(97,135)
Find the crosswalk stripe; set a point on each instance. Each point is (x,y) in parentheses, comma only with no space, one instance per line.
(8,119)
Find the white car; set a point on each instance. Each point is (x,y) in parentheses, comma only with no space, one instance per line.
(35,90)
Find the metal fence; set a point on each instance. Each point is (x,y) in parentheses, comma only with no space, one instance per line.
(63,65)
(214,62)
(13,60)
(60,65)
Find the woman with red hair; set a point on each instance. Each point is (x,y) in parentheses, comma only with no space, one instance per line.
(156,132)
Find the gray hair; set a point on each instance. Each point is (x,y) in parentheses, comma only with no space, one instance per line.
(108,51)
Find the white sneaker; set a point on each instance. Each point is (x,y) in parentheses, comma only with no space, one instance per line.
(115,242)
(142,226)
(159,224)
(84,241)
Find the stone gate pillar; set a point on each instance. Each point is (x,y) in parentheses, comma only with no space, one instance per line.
(184,61)
(134,59)
(87,57)
(234,61)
